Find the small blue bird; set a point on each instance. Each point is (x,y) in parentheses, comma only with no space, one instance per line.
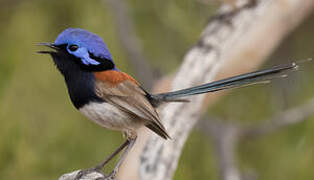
(115,100)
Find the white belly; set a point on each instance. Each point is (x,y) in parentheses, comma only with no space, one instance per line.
(111,117)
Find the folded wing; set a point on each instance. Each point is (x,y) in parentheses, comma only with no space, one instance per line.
(129,97)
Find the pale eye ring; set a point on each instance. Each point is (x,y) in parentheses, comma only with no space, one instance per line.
(73,48)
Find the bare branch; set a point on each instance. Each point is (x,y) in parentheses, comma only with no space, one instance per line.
(283,119)
(130,42)
(225,137)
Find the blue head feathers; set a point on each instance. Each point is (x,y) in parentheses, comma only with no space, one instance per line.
(84,45)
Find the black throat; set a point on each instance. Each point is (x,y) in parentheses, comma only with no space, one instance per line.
(80,83)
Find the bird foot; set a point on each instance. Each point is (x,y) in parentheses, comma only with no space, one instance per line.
(112,175)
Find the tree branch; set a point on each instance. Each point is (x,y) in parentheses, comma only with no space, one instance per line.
(130,42)
(281,120)
(91,176)
(225,137)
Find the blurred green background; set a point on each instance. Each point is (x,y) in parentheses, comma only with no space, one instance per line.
(42,135)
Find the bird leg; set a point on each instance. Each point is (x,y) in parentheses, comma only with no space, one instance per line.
(122,158)
(125,144)
(98,168)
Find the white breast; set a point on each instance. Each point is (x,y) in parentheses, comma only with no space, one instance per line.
(111,117)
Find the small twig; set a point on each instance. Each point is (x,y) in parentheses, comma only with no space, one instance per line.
(227,136)
(283,119)
(130,42)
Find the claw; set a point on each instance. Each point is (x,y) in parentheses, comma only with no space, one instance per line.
(113,174)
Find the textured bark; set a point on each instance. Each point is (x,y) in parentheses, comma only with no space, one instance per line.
(72,175)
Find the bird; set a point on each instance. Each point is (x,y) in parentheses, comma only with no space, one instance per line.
(114,99)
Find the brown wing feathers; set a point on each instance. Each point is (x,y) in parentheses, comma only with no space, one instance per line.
(121,90)
(113,78)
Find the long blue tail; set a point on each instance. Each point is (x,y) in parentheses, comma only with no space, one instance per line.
(257,77)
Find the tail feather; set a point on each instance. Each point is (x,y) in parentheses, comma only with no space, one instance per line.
(257,77)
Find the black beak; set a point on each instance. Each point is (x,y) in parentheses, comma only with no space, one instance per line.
(50,45)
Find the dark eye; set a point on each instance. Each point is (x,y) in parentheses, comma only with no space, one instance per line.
(73,48)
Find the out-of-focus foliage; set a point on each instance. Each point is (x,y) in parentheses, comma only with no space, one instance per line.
(42,136)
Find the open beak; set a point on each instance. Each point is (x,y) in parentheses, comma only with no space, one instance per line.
(50,45)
